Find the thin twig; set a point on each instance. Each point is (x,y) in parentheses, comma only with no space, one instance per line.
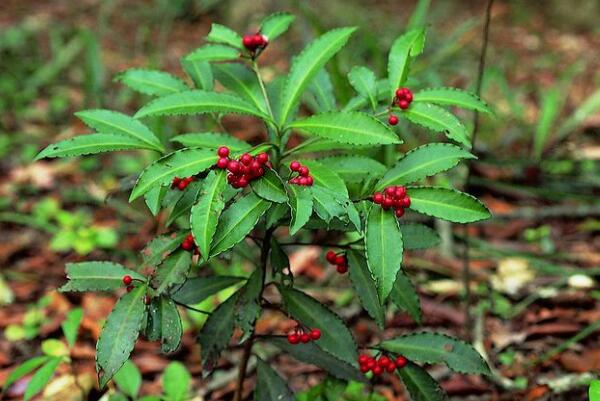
(192,308)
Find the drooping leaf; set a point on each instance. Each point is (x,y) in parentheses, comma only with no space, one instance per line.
(420,385)
(197,289)
(216,332)
(301,204)
(170,324)
(211,140)
(314,355)
(452,97)
(237,221)
(335,336)
(161,246)
(154,198)
(24,369)
(353,168)
(129,379)
(181,163)
(270,187)
(404,296)
(419,236)
(41,378)
(70,326)
(205,213)
(279,259)
(269,385)
(321,95)
(152,82)
(306,65)
(200,72)
(429,347)
(91,144)
(176,382)
(113,122)
(247,306)
(276,24)
(199,102)
(423,161)
(438,119)
(224,35)
(365,286)
(384,248)
(276,213)
(326,203)
(402,51)
(347,127)
(96,276)
(152,325)
(120,333)
(364,81)
(173,271)
(213,53)
(447,204)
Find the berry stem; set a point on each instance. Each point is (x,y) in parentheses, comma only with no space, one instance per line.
(263,89)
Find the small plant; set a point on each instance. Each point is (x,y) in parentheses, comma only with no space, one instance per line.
(238,197)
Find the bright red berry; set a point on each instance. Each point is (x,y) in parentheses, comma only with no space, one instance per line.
(341,269)
(401,361)
(399,92)
(377,197)
(393,120)
(364,368)
(315,334)
(187,245)
(262,158)
(377,370)
(248,41)
(331,257)
(127,279)
(400,192)
(390,368)
(223,151)
(233,166)
(175,182)
(399,212)
(242,182)
(403,104)
(303,181)
(387,203)
(222,162)
(295,166)
(408,96)
(371,363)
(363,359)
(257,40)
(182,185)
(384,361)
(309,181)
(303,171)
(305,338)
(390,191)
(246,159)
(406,202)
(293,338)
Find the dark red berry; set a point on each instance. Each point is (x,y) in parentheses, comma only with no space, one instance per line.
(378,197)
(401,362)
(331,257)
(363,359)
(129,288)
(303,181)
(254,166)
(303,171)
(408,96)
(127,279)
(223,151)
(400,192)
(399,213)
(222,162)
(390,191)
(147,299)
(305,338)
(377,370)
(187,245)
(233,166)
(387,203)
(182,185)
(364,368)
(262,158)
(246,159)
(175,182)
(293,338)
(371,363)
(248,41)
(384,361)
(257,40)
(393,120)
(403,104)
(341,269)
(390,368)
(295,166)
(310,181)
(406,202)
(340,260)
(242,182)
(315,334)
(399,92)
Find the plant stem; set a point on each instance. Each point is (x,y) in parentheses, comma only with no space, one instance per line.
(262,88)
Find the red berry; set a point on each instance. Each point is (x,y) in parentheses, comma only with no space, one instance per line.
(406,202)
(248,41)
(295,166)
(254,166)
(147,299)
(377,370)
(363,359)
(182,184)
(242,182)
(331,257)
(305,338)
(303,171)
(384,361)
(309,181)
(390,368)
(127,279)
(387,203)
(222,162)
(399,92)
(377,197)
(340,260)
(393,120)
(188,180)
(175,182)
(233,166)
(403,104)
(129,288)
(223,151)
(341,269)
(187,245)
(231,178)
(399,212)
(315,334)
(260,172)
(408,96)
(401,362)
(405,91)
(246,159)
(390,191)
(371,363)
(257,40)
(303,181)
(400,192)
(364,368)
(293,338)
(262,158)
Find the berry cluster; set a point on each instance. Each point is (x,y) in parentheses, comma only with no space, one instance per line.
(303,178)
(255,42)
(378,366)
(393,197)
(188,244)
(403,99)
(339,260)
(181,183)
(301,336)
(243,170)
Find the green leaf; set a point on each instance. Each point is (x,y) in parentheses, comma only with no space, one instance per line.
(112,122)
(324,176)
(160,247)
(270,187)
(321,89)
(129,379)
(120,333)
(211,140)
(419,236)
(269,385)
(552,101)
(429,347)
(594,391)
(170,324)
(70,326)
(24,369)
(447,204)
(276,24)
(154,198)
(216,332)
(224,35)
(420,385)
(247,306)
(237,221)
(306,65)
(279,259)
(200,72)
(423,161)
(242,81)
(91,144)
(173,271)
(347,127)
(181,163)
(364,81)
(364,286)
(404,296)
(438,119)
(151,82)
(402,51)
(96,276)
(184,205)
(207,210)
(452,97)
(326,204)
(335,336)
(384,248)
(353,168)
(197,289)
(199,102)
(312,354)
(176,382)
(41,378)
(301,204)
(213,53)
